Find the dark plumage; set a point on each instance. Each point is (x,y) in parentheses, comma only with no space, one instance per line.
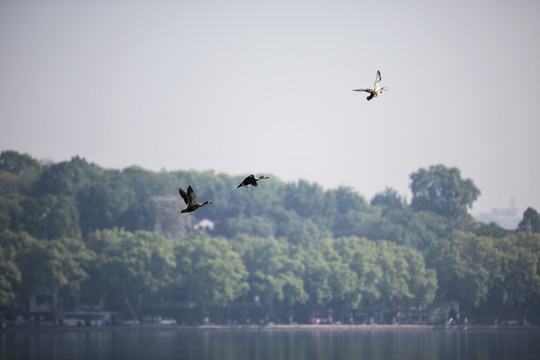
(252,180)
(191,200)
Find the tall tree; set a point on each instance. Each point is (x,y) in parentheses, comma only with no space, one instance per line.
(48,267)
(128,266)
(19,164)
(389,199)
(274,276)
(467,266)
(9,271)
(519,283)
(67,177)
(387,271)
(50,216)
(442,190)
(213,275)
(103,202)
(530,221)
(18,172)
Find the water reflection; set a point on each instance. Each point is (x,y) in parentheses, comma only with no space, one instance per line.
(176,343)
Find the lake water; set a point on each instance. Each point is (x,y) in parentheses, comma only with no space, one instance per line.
(313,344)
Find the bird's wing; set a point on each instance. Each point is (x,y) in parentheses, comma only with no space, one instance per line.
(183,195)
(251,180)
(378,79)
(244,182)
(191,195)
(366,90)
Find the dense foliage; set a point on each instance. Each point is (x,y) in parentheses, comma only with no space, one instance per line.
(78,235)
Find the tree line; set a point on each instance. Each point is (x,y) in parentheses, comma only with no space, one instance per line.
(75,233)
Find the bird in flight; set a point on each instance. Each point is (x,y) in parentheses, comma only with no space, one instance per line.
(191,200)
(377,89)
(252,180)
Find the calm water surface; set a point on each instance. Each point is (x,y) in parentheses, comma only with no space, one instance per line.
(176,343)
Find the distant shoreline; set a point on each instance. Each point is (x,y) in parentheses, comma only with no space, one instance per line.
(278,327)
(345,327)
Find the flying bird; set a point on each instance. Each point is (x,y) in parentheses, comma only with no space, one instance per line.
(191,200)
(377,89)
(251,180)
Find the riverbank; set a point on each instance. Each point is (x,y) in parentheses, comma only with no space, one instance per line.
(279,327)
(397,327)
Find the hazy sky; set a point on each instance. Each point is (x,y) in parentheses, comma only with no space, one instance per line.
(255,86)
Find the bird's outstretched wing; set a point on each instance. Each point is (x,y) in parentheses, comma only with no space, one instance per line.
(378,79)
(192,198)
(366,90)
(251,180)
(183,195)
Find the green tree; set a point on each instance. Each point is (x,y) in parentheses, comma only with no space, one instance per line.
(343,281)
(102,203)
(9,183)
(361,255)
(275,277)
(311,201)
(67,177)
(352,211)
(12,213)
(16,163)
(317,274)
(211,273)
(53,267)
(66,260)
(257,226)
(387,271)
(152,203)
(18,172)
(329,280)
(129,265)
(9,271)
(49,216)
(518,285)
(389,199)
(442,190)
(530,221)
(417,229)
(295,228)
(492,230)
(394,281)
(467,267)
(421,281)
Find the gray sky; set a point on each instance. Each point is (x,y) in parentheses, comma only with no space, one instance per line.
(265,87)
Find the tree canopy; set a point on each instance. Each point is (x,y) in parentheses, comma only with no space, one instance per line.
(441,190)
(76,233)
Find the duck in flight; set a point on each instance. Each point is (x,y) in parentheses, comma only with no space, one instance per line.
(377,89)
(191,200)
(252,180)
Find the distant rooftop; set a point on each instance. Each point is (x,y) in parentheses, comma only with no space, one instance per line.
(507,218)
(204,225)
